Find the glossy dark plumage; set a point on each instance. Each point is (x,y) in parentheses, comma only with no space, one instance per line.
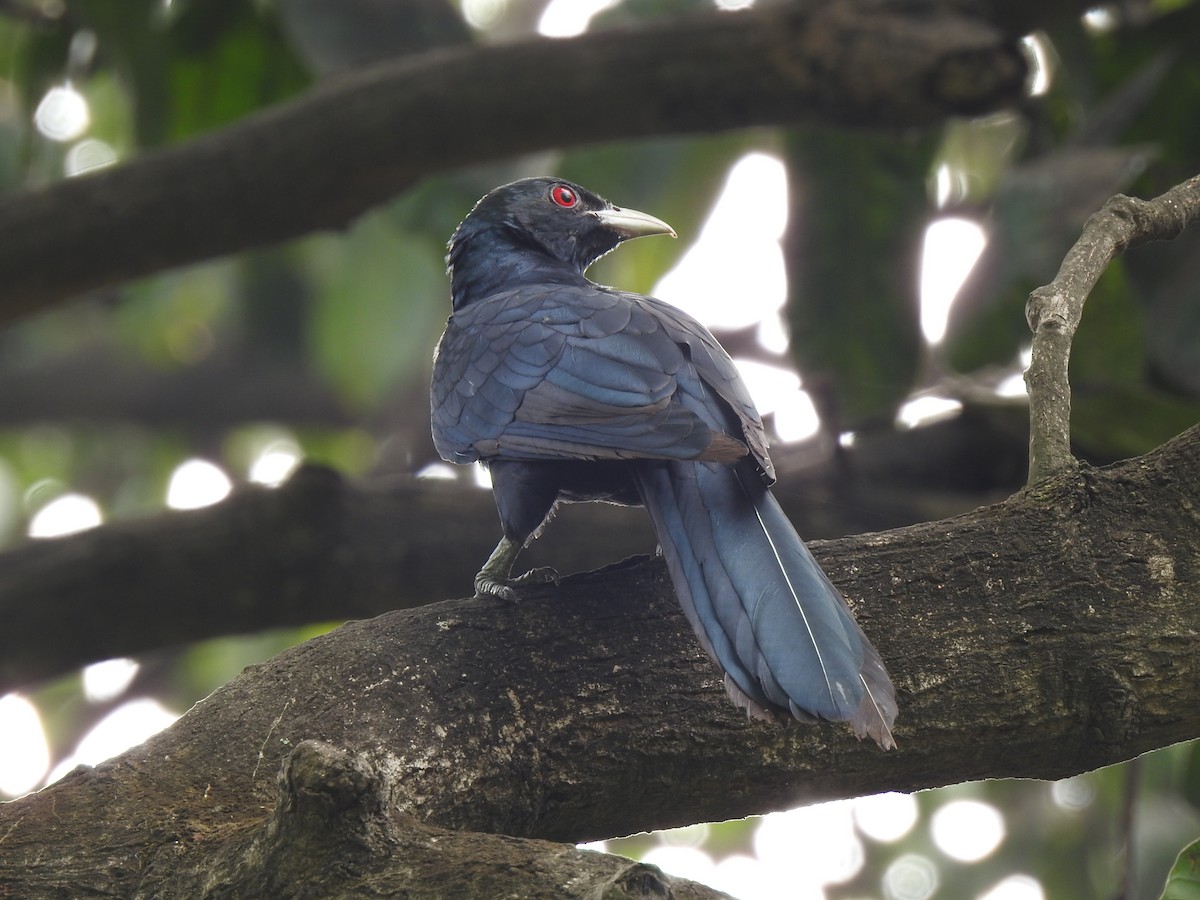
(571,391)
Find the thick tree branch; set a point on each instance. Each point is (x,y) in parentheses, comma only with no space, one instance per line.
(321,160)
(334,832)
(1041,637)
(1054,310)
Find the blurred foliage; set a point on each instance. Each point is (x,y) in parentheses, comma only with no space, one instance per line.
(853,254)
(378,307)
(1068,836)
(357,314)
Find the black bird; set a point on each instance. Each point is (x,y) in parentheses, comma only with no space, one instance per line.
(570,391)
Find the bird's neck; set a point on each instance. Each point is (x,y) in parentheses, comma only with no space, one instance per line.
(480,269)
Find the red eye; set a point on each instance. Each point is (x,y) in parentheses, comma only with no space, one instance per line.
(563,196)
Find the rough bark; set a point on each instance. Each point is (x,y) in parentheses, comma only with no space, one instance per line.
(332,833)
(1041,637)
(268,177)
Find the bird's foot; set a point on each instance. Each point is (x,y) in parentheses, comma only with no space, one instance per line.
(490,587)
(488,584)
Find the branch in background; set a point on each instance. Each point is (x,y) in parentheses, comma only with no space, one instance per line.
(1054,310)
(321,160)
(314,550)
(589,710)
(231,387)
(320,548)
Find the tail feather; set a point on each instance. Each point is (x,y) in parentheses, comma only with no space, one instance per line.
(759,603)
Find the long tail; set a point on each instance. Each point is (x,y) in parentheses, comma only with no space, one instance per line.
(761,606)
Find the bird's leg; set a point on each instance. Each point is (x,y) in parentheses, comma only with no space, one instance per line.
(495,579)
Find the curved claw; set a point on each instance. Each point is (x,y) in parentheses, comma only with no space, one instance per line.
(488,585)
(494,579)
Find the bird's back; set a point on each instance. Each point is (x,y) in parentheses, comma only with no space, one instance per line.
(545,371)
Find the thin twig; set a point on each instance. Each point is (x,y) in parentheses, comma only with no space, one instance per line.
(1053,311)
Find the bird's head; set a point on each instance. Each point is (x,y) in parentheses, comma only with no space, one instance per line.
(537,229)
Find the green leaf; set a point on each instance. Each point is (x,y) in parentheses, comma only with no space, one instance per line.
(1183,881)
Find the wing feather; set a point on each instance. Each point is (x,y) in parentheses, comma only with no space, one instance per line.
(584,373)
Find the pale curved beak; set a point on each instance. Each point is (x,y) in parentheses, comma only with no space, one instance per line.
(630,223)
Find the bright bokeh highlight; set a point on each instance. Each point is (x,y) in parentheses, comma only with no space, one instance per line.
(1016,887)
(967,830)
(197,483)
(766,383)
(926,410)
(1100,19)
(733,275)
(481,475)
(952,247)
(886,817)
(808,847)
(126,726)
(87,155)
(1073,794)
(748,879)
(104,681)
(62,115)
(796,417)
(438,470)
(949,183)
(483,14)
(1041,63)
(773,334)
(777,390)
(1012,386)
(684,862)
(275,463)
(24,755)
(569,18)
(911,877)
(65,515)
